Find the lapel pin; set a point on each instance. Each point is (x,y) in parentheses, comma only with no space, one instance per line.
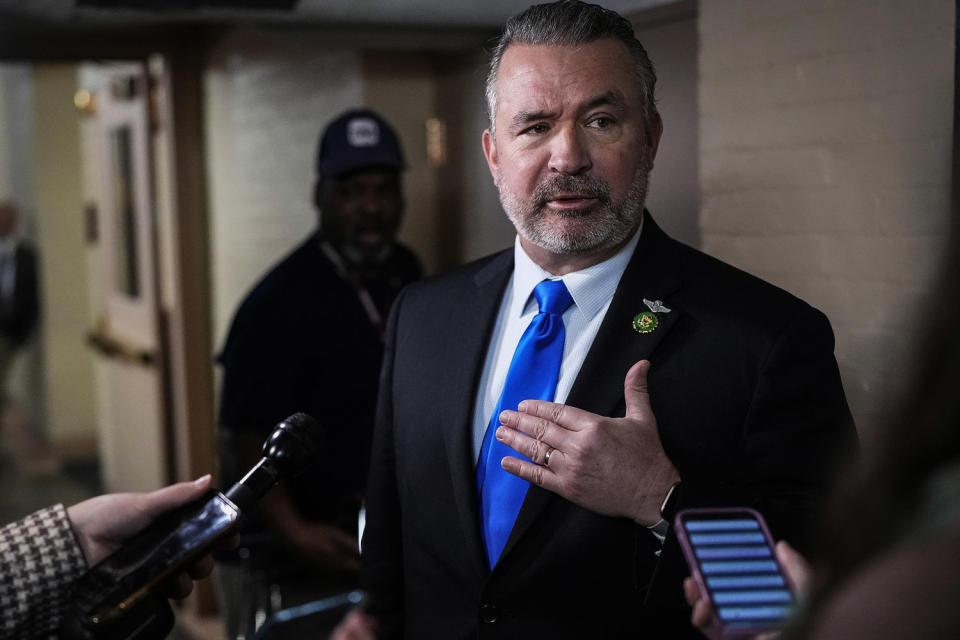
(645,322)
(656,306)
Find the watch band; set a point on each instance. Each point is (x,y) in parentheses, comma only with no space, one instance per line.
(668,506)
(660,529)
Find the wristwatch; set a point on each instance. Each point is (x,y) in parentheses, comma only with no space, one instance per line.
(667,508)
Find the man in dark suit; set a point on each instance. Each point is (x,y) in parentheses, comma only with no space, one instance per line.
(19,300)
(683,381)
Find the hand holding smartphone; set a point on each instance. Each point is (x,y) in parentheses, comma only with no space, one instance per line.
(731,557)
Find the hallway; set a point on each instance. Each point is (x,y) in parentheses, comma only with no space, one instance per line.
(31,477)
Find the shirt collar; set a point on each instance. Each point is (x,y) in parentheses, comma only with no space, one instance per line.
(590,288)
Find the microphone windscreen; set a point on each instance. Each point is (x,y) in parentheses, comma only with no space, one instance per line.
(294,443)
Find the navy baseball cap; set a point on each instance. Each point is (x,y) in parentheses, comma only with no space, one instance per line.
(358,139)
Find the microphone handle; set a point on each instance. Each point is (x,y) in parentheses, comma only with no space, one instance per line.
(254,485)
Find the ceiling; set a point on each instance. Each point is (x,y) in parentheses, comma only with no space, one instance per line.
(380,13)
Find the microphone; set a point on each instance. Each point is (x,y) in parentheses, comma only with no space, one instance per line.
(119,598)
(286,452)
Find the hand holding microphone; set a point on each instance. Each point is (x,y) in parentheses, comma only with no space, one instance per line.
(104,523)
(120,597)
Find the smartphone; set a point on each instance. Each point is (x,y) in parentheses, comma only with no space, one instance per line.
(731,556)
(113,587)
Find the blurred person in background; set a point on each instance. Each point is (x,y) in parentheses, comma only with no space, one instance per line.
(19,298)
(309,337)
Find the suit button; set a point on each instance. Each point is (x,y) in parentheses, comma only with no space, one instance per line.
(489,613)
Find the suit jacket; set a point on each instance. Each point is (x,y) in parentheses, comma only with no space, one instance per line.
(18,315)
(750,409)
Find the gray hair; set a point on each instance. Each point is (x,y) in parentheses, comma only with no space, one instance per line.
(572,23)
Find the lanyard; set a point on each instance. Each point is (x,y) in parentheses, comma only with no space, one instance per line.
(366,301)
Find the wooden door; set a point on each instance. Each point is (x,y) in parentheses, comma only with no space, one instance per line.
(134,439)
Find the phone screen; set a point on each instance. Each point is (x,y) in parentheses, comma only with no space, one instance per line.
(731,554)
(163,548)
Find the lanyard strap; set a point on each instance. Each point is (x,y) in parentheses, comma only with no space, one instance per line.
(366,300)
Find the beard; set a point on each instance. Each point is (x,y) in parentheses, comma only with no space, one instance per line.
(365,254)
(602,225)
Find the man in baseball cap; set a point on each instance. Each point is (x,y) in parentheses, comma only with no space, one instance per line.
(358,191)
(308,338)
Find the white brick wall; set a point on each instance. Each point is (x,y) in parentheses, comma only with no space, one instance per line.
(825,142)
(268,98)
(674,197)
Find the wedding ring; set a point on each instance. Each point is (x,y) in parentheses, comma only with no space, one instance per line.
(546,456)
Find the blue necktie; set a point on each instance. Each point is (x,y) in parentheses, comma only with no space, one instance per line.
(533,374)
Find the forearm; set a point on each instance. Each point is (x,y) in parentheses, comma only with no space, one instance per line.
(39,560)
(282,517)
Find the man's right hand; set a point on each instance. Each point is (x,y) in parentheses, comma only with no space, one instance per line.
(613,466)
(324,546)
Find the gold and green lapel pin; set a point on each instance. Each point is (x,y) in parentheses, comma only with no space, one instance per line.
(647,321)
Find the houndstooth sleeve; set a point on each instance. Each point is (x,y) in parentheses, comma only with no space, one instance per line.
(39,559)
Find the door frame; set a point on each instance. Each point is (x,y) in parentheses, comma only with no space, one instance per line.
(186,323)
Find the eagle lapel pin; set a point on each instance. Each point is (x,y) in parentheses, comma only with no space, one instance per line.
(656,306)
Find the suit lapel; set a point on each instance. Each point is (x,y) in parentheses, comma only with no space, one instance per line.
(618,346)
(598,387)
(471,323)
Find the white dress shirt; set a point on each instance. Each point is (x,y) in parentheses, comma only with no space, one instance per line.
(592,290)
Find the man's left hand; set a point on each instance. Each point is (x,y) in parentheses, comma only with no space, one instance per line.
(613,466)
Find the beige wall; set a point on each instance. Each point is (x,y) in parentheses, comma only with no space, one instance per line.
(401,89)
(471,195)
(67,362)
(825,164)
(670,37)
(16,124)
(267,99)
